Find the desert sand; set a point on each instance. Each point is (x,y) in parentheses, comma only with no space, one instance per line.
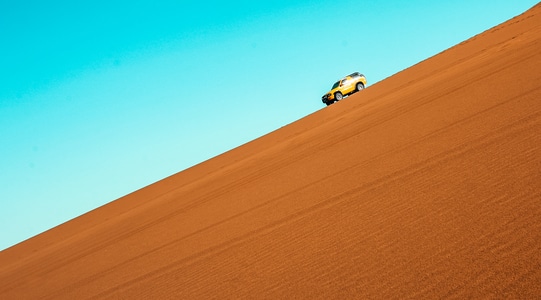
(425,185)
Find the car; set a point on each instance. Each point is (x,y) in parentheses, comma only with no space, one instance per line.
(346,86)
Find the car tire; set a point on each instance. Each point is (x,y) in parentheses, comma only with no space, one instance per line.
(329,102)
(359,86)
(338,96)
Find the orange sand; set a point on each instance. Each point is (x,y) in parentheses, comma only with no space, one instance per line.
(425,185)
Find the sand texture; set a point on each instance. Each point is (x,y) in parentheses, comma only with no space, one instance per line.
(425,185)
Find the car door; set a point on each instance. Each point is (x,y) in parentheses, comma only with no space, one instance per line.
(348,85)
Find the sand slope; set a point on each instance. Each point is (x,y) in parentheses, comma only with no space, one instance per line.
(425,185)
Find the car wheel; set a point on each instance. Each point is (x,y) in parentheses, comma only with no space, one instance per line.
(359,86)
(338,96)
(329,102)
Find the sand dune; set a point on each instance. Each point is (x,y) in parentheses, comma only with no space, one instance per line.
(425,185)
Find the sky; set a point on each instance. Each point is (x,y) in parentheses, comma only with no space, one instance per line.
(101,98)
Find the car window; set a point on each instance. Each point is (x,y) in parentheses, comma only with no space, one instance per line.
(335,85)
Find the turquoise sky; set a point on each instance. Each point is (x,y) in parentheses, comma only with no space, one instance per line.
(98,100)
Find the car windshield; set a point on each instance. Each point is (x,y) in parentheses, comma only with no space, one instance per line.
(335,85)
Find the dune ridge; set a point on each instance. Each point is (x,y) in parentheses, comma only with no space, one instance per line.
(425,185)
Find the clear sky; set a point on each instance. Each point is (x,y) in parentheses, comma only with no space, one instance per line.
(98,100)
